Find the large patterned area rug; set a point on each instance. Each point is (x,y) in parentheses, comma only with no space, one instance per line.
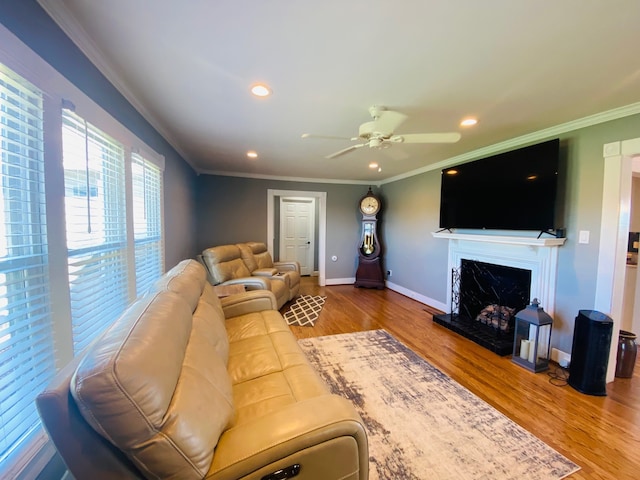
(305,311)
(421,424)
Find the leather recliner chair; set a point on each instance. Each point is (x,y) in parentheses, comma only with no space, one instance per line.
(226,267)
(258,260)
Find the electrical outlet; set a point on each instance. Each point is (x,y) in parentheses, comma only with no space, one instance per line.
(389,273)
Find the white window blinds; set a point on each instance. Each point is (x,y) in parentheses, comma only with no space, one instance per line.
(95,205)
(147,221)
(26,339)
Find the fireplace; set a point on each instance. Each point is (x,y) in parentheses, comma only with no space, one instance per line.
(492,291)
(486,298)
(535,258)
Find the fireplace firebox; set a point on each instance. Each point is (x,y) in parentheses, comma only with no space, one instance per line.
(485,299)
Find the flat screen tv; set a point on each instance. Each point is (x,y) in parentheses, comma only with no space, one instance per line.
(516,190)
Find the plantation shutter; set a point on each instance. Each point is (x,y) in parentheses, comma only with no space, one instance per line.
(26,338)
(95,205)
(147,221)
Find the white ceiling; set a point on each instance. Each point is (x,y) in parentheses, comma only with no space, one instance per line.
(520,66)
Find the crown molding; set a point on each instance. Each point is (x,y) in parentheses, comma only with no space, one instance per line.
(64,18)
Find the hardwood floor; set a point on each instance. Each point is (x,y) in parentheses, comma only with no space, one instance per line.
(601,434)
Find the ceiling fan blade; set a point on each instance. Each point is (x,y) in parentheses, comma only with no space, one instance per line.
(451,137)
(388,122)
(345,150)
(324,137)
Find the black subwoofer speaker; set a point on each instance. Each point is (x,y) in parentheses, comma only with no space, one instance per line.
(590,352)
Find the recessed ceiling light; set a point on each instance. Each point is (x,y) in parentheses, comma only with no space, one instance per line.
(260,90)
(373,165)
(468,122)
(252,154)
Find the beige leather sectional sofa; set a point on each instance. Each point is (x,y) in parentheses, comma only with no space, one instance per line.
(185,385)
(251,265)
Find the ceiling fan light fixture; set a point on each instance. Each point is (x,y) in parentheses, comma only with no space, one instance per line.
(468,122)
(375,142)
(261,90)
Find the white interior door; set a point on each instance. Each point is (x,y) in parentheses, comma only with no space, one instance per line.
(297,229)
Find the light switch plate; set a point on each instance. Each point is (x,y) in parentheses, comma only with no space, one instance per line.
(584,236)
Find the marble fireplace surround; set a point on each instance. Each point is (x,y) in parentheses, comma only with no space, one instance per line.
(539,255)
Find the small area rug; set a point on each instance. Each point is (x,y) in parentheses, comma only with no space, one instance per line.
(421,424)
(305,311)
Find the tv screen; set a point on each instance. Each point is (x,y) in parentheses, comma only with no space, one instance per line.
(515,190)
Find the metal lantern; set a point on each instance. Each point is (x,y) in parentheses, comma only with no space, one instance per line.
(532,338)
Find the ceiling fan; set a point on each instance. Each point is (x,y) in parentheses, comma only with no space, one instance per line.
(380,133)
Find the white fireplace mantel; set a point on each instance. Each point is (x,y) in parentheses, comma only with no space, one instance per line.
(539,255)
(531,241)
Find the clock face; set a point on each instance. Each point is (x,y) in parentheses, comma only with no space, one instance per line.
(369,205)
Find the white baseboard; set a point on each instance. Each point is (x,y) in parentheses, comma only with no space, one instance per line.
(560,357)
(396,288)
(417,296)
(340,281)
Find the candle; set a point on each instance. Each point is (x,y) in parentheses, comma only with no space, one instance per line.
(524,349)
(532,351)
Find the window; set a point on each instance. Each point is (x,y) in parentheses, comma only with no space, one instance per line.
(94,164)
(147,221)
(98,224)
(26,332)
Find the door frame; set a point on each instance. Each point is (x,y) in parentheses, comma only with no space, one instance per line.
(311,252)
(616,197)
(321,198)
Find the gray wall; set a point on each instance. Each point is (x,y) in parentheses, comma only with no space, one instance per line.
(232,210)
(27,20)
(419,262)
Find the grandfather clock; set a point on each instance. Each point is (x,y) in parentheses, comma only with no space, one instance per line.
(369,273)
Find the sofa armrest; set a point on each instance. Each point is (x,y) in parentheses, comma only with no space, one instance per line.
(291,431)
(253,301)
(251,283)
(287,266)
(85,452)
(264,272)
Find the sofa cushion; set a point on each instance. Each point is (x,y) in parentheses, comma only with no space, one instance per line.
(255,323)
(225,263)
(268,393)
(155,389)
(188,279)
(247,257)
(258,260)
(259,253)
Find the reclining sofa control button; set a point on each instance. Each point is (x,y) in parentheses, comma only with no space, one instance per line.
(287,472)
